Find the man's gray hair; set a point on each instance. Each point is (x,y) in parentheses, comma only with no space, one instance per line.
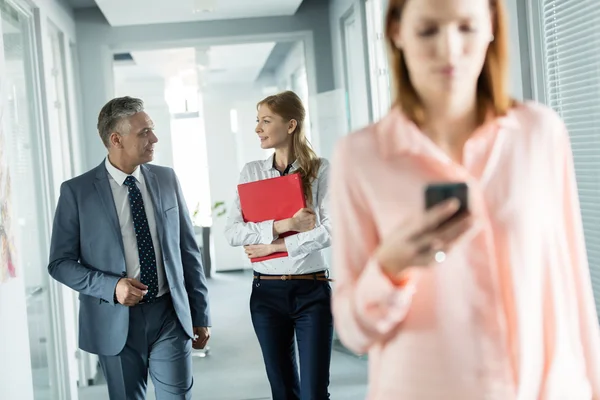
(113,114)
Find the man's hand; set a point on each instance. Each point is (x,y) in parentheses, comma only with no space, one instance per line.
(130,292)
(201,336)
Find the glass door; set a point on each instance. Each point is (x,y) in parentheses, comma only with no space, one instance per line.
(32,200)
(61,149)
(60,129)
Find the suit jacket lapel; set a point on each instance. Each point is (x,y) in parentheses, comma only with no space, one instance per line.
(102,186)
(154,190)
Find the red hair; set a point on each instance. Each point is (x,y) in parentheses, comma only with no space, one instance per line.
(492,84)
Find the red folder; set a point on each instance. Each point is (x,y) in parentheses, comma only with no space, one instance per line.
(272,199)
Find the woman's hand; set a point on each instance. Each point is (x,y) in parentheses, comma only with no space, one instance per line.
(417,242)
(263,250)
(304,220)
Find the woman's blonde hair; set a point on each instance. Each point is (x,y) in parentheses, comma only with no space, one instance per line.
(289,107)
(492,84)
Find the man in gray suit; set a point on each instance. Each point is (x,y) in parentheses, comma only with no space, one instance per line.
(123,239)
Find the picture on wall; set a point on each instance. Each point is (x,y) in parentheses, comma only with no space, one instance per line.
(7,248)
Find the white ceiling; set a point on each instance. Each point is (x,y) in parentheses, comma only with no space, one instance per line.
(157,64)
(239,63)
(141,12)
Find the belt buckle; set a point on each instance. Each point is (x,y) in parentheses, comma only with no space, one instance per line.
(284,277)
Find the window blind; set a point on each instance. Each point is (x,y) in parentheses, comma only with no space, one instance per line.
(571,36)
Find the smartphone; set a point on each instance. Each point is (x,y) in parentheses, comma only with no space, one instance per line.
(436,193)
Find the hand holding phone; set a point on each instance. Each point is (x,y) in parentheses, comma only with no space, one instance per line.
(437,193)
(416,242)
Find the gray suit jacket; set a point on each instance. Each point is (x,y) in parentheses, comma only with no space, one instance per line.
(86,254)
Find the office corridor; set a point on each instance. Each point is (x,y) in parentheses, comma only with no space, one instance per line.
(234,369)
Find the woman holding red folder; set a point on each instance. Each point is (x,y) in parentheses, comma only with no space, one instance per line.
(496,303)
(291,295)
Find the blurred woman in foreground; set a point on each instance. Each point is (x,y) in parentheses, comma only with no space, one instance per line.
(496,304)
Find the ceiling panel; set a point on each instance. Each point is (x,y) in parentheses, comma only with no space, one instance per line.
(239,63)
(141,12)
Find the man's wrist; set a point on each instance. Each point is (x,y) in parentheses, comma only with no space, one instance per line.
(115,299)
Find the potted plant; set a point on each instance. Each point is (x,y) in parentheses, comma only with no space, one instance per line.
(219,208)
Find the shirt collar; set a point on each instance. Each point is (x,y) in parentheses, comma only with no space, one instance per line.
(118,175)
(396,134)
(268,164)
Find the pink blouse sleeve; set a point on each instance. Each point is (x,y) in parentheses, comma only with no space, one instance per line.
(588,317)
(367,305)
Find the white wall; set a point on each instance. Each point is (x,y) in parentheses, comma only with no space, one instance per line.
(228,151)
(329,113)
(292,74)
(293,61)
(60,15)
(336,119)
(337,10)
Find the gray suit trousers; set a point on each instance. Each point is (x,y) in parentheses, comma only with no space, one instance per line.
(156,344)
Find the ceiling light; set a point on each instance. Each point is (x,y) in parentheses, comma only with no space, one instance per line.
(202,6)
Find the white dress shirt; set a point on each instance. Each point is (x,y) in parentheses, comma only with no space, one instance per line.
(304,249)
(120,193)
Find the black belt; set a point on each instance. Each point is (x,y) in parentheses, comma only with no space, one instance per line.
(165,296)
(316,276)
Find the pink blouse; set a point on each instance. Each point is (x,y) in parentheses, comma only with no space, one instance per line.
(510,313)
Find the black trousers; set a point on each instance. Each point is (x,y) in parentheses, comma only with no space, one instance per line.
(280,309)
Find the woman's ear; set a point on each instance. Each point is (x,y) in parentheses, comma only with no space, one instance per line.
(394,30)
(292,126)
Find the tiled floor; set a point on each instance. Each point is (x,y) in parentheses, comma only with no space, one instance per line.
(234,368)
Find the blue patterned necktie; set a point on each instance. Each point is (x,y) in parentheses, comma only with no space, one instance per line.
(148,275)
